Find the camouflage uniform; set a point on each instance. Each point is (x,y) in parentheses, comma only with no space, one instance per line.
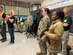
(43,26)
(28,24)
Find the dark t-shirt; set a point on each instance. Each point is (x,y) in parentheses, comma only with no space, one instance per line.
(11,25)
(68,20)
(4,17)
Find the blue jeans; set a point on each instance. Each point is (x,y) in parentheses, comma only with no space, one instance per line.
(11,32)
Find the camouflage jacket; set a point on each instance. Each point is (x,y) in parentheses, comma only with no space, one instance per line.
(43,25)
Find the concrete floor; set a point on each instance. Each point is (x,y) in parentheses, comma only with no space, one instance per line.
(22,46)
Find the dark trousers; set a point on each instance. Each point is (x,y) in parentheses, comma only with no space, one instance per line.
(3,32)
(11,32)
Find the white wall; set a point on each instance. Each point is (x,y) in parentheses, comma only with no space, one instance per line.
(52,4)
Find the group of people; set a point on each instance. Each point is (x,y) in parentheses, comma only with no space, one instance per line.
(54,36)
(9,20)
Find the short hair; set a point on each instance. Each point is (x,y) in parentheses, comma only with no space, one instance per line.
(12,12)
(1,7)
(67,8)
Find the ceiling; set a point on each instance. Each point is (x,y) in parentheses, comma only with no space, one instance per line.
(30,1)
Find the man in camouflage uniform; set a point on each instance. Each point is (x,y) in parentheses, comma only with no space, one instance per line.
(43,25)
(28,22)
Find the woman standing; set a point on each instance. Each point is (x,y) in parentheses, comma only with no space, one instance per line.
(10,23)
(43,26)
(55,33)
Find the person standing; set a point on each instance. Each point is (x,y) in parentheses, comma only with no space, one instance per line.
(20,24)
(11,27)
(43,25)
(54,34)
(3,21)
(66,24)
(28,23)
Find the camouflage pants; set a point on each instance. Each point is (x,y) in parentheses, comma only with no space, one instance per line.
(42,44)
(65,38)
